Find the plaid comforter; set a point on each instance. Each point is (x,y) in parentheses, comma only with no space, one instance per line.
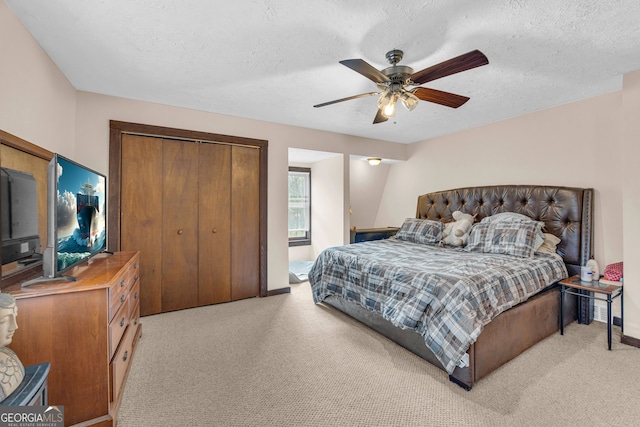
(445,294)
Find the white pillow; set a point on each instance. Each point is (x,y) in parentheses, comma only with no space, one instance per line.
(549,245)
(507,216)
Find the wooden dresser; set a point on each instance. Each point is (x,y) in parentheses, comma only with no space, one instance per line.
(87,330)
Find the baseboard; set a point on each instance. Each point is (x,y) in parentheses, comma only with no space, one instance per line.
(635,342)
(279,291)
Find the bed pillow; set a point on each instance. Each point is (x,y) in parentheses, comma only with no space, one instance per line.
(506,216)
(550,244)
(514,216)
(516,238)
(423,231)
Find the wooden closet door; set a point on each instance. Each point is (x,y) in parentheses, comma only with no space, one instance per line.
(180,225)
(214,223)
(141,214)
(245,222)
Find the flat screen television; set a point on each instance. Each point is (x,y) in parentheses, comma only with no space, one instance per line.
(76,216)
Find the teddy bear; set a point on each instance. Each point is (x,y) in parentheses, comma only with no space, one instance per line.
(456,232)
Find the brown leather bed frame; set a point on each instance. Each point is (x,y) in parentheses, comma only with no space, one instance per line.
(567,213)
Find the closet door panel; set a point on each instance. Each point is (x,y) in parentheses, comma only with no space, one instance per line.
(180,225)
(141,214)
(245,222)
(214,223)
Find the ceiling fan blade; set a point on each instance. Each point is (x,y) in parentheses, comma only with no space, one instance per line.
(367,70)
(464,62)
(335,101)
(439,97)
(379,117)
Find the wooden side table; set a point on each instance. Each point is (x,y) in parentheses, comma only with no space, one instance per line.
(611,291)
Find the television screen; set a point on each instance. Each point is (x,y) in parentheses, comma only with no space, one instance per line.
(80,212)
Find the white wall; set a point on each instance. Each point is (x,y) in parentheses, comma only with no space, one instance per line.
(37,102)
(565,145)
(327,207)
(631,207)
(366,188)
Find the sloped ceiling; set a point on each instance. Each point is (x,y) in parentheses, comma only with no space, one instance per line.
(272,60)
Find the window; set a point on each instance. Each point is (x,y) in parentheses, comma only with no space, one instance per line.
(299,206)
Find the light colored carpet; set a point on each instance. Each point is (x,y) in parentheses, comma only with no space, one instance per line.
(283,361)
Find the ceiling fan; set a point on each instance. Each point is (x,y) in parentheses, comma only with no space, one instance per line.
(401,82)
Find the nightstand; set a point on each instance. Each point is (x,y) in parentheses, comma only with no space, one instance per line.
(611,291)
(367,234)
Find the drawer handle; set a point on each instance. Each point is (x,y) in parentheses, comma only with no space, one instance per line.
(122,283)
(135,322)
(180,232)
(135,277)
(135,295)
(124,357)
(135,265)
(122,322)
(122,298)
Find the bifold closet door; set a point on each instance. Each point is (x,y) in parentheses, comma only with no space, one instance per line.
(245,222)
(214,219)
(192,209)
(180,198)
(141,214)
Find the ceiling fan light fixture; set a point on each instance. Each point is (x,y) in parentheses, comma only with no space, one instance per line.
(374,161)
(409,100)
(386,98)
(389,110)
(387,103)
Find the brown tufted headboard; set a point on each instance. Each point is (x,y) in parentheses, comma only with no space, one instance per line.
(566,211)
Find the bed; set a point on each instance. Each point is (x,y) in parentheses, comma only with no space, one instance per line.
(500,333)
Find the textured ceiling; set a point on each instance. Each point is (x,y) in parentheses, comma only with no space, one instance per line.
(273,60)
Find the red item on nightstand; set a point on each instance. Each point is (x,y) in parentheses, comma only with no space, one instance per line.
(613,272)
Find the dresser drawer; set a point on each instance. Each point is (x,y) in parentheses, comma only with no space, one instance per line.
(120,363)
(117,327)
(119,291)
(134,304)
(134,296)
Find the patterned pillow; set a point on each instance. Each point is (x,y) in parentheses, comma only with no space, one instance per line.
(514,216)
(506,216)
(516,238)
(423,231)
